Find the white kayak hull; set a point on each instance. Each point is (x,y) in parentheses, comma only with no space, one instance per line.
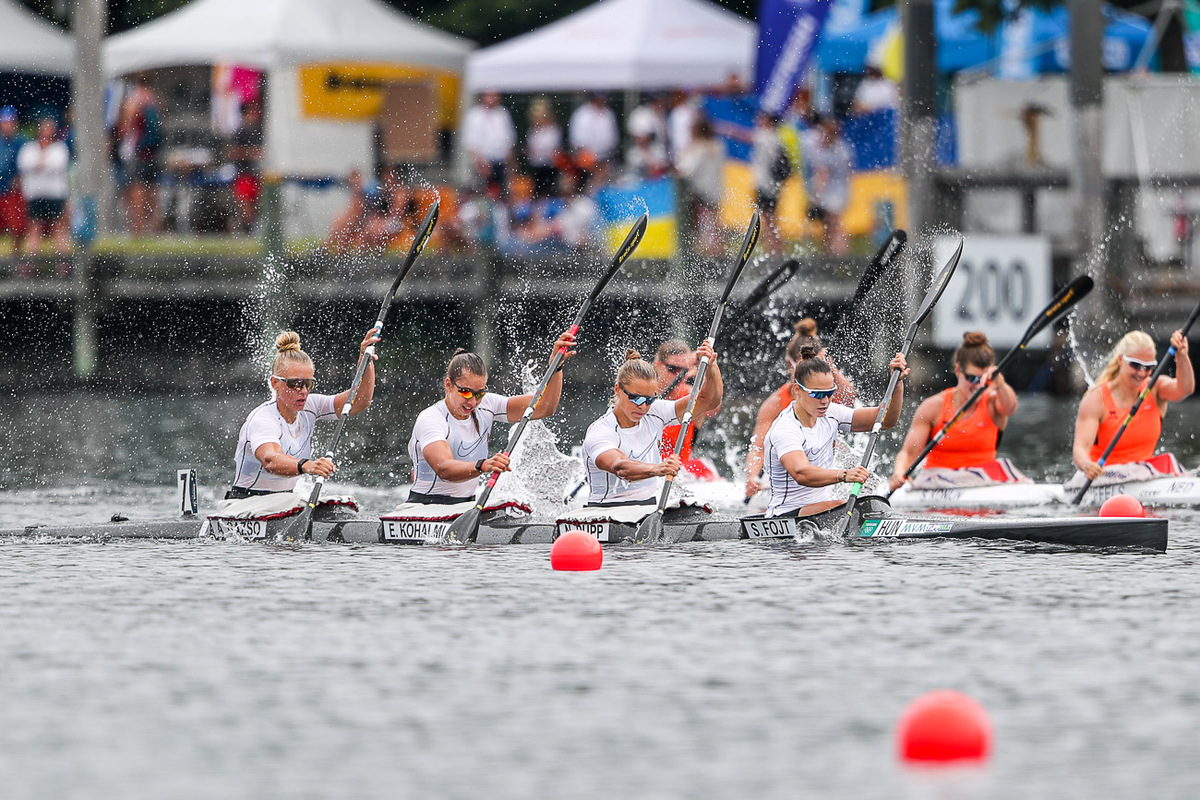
(1174,492)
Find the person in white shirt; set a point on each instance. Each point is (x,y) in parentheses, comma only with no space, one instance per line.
(681,122)
(875,93)
(489,137)
(275,443)
(650,119)
(43,165)
(543,145)
(593,133)
(449,444)
(799,446)
(623,449)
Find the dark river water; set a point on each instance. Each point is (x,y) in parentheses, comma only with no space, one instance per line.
(721,670)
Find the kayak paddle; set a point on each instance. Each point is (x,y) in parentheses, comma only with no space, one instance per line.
(931,298)
(891,250)
(1162,365)
(1063,302)
(651,529)
(301,527)
(766,287)
(466,527)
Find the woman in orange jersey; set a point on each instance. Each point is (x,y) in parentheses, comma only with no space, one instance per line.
(971,443)
(1106,405)
(773,406)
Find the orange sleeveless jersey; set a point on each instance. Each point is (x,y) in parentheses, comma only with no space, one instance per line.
(1138,441)
(671,432)
(972,440)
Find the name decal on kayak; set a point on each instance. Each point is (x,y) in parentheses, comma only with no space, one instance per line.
(769,528)
(418,531)
(598,530)
(893,528)
(240,528)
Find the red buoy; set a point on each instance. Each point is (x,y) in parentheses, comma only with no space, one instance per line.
(1122,505)
(577,551)
(944,726)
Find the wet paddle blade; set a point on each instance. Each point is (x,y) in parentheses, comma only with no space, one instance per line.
(651,529)
(300,530)
(881,262)
(466,528)
(939,284)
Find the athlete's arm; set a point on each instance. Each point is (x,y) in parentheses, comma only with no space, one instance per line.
(630,469)
(1087,425)
(1002,401)
(767,412)
(919,434)
(277,462)
(805,473)
(366,388)
(449,468)
(549,402)
(711,391)
(1172,390)
(864,418)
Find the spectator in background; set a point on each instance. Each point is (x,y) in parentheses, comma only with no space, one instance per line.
(681,121)
(701,166)
(345,235)
(139,146)
(543,144)
(43,165)
(646,158)
(650,118)
(489,137)
(593,135)
(771,166)
(246,153)
(875,93)
(830,162)
(12,202)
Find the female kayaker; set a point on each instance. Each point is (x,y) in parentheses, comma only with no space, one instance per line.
(275,442)
(622,449)
(675,364)
(1104,408)
(799,445)
(449,443)
(971,443)
(772,407)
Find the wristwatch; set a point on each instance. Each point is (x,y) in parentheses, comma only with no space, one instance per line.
(479,465)
(300,466)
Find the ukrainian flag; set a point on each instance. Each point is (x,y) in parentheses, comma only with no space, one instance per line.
(620,206)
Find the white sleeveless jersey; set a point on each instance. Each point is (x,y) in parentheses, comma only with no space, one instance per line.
(468,440)
(264,425)
(786,436)
(642,442)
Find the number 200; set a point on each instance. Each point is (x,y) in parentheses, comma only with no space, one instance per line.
(999,290)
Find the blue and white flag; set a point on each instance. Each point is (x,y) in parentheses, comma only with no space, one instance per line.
(787,34)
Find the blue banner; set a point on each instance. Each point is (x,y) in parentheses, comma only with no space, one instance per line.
(787,32)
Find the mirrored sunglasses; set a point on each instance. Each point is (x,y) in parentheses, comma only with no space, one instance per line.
(296,384)
(972,379)
(1138,364)
(639,399)
(816,394)
(468,394)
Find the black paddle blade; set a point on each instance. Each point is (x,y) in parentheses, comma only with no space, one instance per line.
(418,243)
(939,284)
(1071,294)
(887,255)
(300,528)
(632,240)
(651,529)
(466,528)
(751,239)
(769,285)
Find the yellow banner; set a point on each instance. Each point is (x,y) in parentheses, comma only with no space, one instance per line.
(354,91)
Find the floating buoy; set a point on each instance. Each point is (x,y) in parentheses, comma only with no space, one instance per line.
(944,726)
(1122,505)
(576,551)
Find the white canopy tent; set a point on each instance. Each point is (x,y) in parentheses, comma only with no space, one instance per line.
(622,44)
(30,44)
(278,36)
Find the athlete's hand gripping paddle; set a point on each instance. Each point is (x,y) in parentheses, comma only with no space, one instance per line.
(466,527)
(651,529)
(931,298)
(1162,365)
(301,527)
(1063,302)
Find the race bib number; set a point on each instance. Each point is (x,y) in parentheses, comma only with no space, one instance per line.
(414,531)
(597,530)
(769,528)
(239,528)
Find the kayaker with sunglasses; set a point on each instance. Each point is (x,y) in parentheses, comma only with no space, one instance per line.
(799,446)
(622,449)
(1104,407)
(971,443)
(772,407)
(449,443)
(275,442)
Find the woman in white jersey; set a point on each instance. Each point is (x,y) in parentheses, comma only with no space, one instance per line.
(275,443)
(449,444)
(799,446)
(622,450)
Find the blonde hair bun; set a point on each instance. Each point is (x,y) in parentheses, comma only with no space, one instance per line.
(632,355)
(287,342)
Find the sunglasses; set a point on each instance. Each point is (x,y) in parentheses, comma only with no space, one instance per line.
(674,369)
(972,379)
(468,394)
(816,394)
(639,399)
(1139,365)
(296,384)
